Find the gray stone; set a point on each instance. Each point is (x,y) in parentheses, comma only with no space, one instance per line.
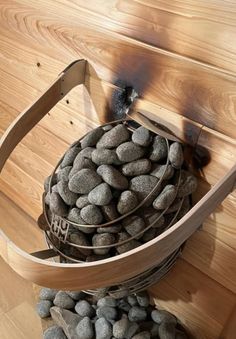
(55,188)
(104,156)
(120,328)
(142,335)
(107,312)
(69,156)
(79,238)
(57,205)
(162,171)
(104,239)
(84,309)
(184,208)
(143,185)
(174,206)
(67,320)
(141,136)
(92,137)
(137,167)
(149,234)
(107,301)
(114,137)
(91,214)
(82,201)
(167,331)
(107,128)
(116,228)
(63,174)
(110,212)
(161,316)
(47,294)
(180,335)
(84,181)
(43,308)
(84,153)
(74,216)
(137,313)
(103,329)
(127,202)
(134,224)
(113,177)
(124,305)
(132,300)
(165,198)
(143,299)
(188,184)
(133,328)
(47,198)
(151,216)
(76,295)
(101,195)
(85,329)
(159,149)
(54,332)
(176,156)
(66,194)
(128,151)
(47,181)
(81,163)
(63,300)
(129,245)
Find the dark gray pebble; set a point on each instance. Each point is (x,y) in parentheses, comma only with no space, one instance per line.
(57,205)
(84,309)
(165,198)
(104,156)
(134,224)
(63,174)
(167,331)
(162,171)
(176,156)
(143,299)
(69,156)
(142,335)
(103,329)
(188,184)
(84,181)
(120,328)
(128,151)
(92,137)
(63,300)
(161,316)
(85,329)
(128,245)
(79,238)
(110,212)
(101,195)
(76,295)
(142,185)
(54,332)
(104,239)
(43,308)
(127,202)
(66,194)
(107,312)
(116,228)
(137,313)
(82,201)
(159,149)
(107,301)
(132,300)
(91,214)
(113,177)
(137,167)
(141,136)
(114,137)
(81,163)
(47,294)
(47,181)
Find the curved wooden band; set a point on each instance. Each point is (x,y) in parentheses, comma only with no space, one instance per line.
(113,270)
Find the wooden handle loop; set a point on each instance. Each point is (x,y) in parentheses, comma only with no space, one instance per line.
(105,272)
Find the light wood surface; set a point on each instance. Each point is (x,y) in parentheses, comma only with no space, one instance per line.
(115,35)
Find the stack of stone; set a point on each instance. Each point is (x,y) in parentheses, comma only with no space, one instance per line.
(79,316)
(107,175)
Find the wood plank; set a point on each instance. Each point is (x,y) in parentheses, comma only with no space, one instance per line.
(198,89)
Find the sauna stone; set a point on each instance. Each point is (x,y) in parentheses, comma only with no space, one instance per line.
(76,295)
(110,212)
(188,184)
(137,167)
(142,185)
(134,224)
(84,329)
(74,216)
(47,294)
(116,228)
(162,170)
(127,202)
(137,313)
(143,299)
(142,335)
(129,151)
(107,312)
(114,137)
(57,205)
(165,198)
(149,234)
(104,156)
(63,300)
(101,195)
(43,308)
(92,137)
(167,331)
(120,328)
(63,174)
(70,156)
(107,128)
(91,214)
(103,239)
(80,164)
(82,201)
(128,245)
(54,332)
(103,329)
(84,181)
(159,149)
(141,136)
(160,316)
(132,300)
(107,301)
(133,328)
(65,319)
(66,194)
(84,309)
(84,153)
(47,181)
(176,156)
(79,238)
(113,177)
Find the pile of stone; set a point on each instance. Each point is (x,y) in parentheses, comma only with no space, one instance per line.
(107,175)
(79,316)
